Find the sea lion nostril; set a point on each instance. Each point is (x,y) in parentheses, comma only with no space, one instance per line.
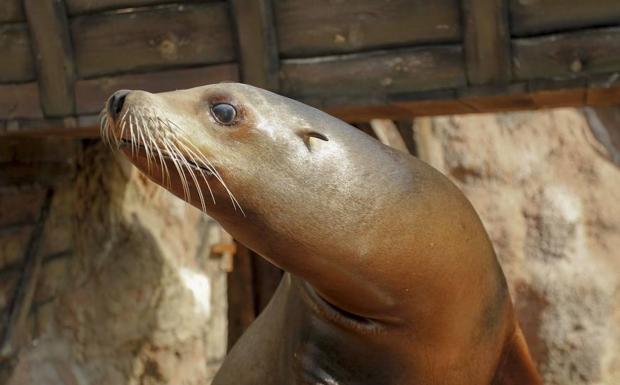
(115,104)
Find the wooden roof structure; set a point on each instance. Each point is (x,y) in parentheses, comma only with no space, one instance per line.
(358,59)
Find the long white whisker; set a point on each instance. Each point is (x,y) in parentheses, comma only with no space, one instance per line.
(197,160)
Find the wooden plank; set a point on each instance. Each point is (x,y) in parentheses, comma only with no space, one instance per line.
(17,64)
(388,134)
(54,56)
(321,27)
(498,98)
(567,55)
(266,280)
(486,42)
(405,127)
(76,7)
(604,91)
(544,16)
(91,94)
(152,38)
(258,52)
(371,77)
(241,301)
(20,101)
(11,11)
(14,335)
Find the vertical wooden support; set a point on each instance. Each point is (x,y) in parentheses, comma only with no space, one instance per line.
(388,134)
(487,41)
(52,49)
(257,42)
(15,334)
(241,305)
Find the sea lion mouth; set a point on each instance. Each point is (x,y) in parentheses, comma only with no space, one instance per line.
(163,143)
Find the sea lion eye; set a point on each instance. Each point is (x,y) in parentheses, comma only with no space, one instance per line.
(224,113)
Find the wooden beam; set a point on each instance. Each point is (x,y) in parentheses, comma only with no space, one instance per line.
(536,17)
(388,134)
(568,55)
(486,42)
(152,38)
(14,334)
(257,43)
(20,101)
(53,52)
(241,301)
(605,92)
(324,27)
(372,76)
(11,11)
(17,64)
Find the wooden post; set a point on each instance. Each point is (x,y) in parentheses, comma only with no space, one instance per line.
(388,134)
(487,42)
(51,44)
(258,52)
(14,334)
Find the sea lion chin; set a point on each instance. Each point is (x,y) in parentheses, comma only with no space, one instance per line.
(391,278)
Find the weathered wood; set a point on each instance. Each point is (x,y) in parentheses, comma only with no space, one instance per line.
(258,52)
(77,7)
(266,280)
(11,11)
(405,127)
(513,98)
(91,94)
(604,91)
(371,77)
(320,27)
(54,56)
(486,42)
(20,101)
(17,64)
(14,334)
(567,55)
(241,301)
(152,38)
(543,16)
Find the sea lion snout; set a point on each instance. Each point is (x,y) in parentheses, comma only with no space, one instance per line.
(116,102)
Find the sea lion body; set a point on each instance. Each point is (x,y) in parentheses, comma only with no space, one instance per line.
(391,278)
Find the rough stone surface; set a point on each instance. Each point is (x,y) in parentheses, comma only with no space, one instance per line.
(551,204)
(128,292)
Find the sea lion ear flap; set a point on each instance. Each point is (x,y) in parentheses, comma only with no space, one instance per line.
(516,366)
(309,138)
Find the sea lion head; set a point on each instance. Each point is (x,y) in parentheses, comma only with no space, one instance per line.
(243,154)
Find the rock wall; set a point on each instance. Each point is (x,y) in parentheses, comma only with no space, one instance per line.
(127,291)
(550,200)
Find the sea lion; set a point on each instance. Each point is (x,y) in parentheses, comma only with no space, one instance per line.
(391,277)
